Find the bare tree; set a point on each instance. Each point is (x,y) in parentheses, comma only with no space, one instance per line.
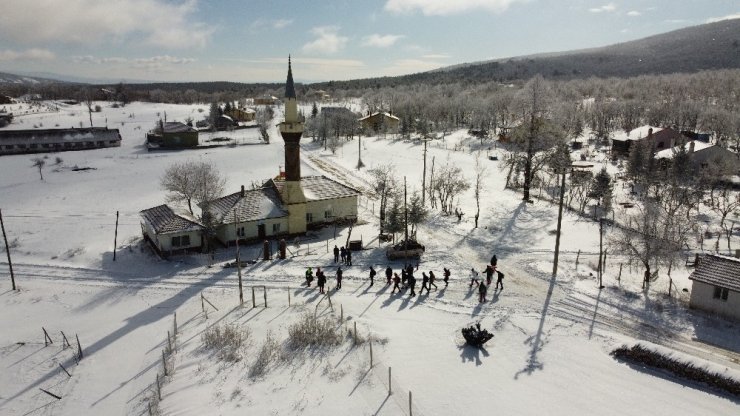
(192,181)
(385,187)
(89,104)
(39,163)
(448,183)
(480,172)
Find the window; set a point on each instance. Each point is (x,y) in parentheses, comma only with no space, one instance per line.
(721,293)
(309,217)
(276,228)
(327,214)
(176,241)
(33,146)
(240,232)
(9,147)
(185,241)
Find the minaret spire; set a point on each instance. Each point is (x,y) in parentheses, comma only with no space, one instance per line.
(289,86)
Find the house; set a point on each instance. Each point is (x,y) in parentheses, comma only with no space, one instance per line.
(242,114)
(703,155)
(246,215)
(170,233)
(57,140)
(662,138)
(327,200)
(266,100)
(4,99)
(224,122)
(716,286)
(5,118)
(381,122)
(172,135)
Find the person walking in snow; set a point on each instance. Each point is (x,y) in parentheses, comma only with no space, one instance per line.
(349,257)
(473,277)
(339,278)
(372,275)
(500,280)
(309,277)
(412,283)
(343,252)
(446,278)
(396,282)
(388,275)
(336,254)
(424,283)
(431,281)
(320,281)
(489,275)
(482,289)
(404,276)
(494,261)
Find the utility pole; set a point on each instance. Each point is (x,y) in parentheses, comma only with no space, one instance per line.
(601,249)
(560,221)
(115,238)
(238,261)
(359,152)
(7,250)
(405,218)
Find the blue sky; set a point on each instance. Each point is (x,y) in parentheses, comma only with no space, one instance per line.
(249,41)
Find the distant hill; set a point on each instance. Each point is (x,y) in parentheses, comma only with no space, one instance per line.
(6,78)
(704,47)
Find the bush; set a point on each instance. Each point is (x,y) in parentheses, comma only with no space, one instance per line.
(311,332)
(269,351)
(226,340)
(98,109)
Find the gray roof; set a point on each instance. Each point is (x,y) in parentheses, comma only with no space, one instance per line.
(177,127)
(252,205)
(165,221)
(59,135)
(317,188)
(718,270)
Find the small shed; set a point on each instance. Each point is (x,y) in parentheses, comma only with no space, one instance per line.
(173,135)
(716,286)
(170,233)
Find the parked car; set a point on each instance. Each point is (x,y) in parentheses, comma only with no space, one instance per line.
(403,250)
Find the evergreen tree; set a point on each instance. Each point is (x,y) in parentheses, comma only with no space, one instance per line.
(314,110)
(417,211)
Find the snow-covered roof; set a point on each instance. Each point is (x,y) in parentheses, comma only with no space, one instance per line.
(389,115)
(164,221)
(318,188)
(177,127)
(635,134)
(251,205)
(89,134)
(668,153)
(718,270)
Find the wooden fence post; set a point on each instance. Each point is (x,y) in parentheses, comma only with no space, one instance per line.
(619,277)
(202,304)
(603,263)
(164,363)
(169,343)
(159,389)
(65,341)
(65,370)
(51,394)
(254,303)
(355,333)
(341,313)
(288,297)
(47,338)
(390,391)
(410,410)
(264,290)
(175,318)
(577,257)
(371,353)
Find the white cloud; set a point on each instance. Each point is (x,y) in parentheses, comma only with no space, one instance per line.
(605,8)
(728,17)
(436,56)
(160,63)
(33,54)
(380,41)
(261,24)
(447,7)
(327,40)
(634,13)
(154,22)
(281,23)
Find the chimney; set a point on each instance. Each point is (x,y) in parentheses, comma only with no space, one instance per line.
(650,133)
(691,146)
(242,192)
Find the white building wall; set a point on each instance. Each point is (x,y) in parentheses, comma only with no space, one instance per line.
(164,241)
(339,208)
(226,233)
(702,297)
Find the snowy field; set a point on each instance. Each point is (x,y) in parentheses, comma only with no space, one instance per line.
(549,355)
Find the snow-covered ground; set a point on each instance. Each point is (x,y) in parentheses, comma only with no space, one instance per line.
(550,353)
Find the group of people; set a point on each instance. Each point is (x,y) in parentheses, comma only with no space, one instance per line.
(407,280)
(483,286)
(343,253)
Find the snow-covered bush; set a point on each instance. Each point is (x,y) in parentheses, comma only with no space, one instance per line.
(312,332)
(226,340)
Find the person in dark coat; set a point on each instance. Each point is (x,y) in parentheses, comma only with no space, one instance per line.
(320,281)
(396,281)
(431,280)
(343,252)
(412,284)
(336,254)
(349,257)
(446,278)
(482,289)
(473,277)
(388,275)
(339,278)
(372,275)
(494,261)
(500,280)
(424,283)
(404,276)
(489,275)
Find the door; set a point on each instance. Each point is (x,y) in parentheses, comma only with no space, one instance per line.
(261,231)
